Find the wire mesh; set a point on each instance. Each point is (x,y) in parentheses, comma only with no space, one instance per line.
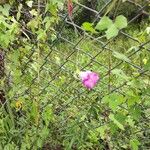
(55,80)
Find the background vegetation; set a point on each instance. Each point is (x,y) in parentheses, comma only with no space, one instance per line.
(43,103)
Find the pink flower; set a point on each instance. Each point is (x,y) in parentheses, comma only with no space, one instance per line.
(89,79)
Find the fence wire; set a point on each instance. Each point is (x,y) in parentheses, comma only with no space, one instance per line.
(55,80)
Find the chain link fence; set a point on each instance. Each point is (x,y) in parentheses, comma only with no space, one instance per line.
(120,62)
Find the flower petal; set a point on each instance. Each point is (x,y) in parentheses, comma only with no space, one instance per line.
(89,79)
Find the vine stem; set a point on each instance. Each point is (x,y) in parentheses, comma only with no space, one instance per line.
(77,60)
(38,72)
(76,33)
(36,101)
(38,47)
(109,72)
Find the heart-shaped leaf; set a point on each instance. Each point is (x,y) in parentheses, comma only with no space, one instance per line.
(104,23)
(112,32)
(121,22)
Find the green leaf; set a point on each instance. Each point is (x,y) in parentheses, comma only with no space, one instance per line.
(104,23)
(114,100)
(29,3)
(147,65)
(111,117)
(34,109)
(121,117)
(121,56)
(121,22)
(120,73)
(47,114)
(106,99)
(135,112)
(134,143)
(41,35)
(5,9)
(33,12)
(130,121)
(93,135)
(101,130)
(71,142)
(148,30)
(33,24)
(52,8)
(19,11)
(112,32)
(15,56)
(17,76)
(132,98)
(88,27)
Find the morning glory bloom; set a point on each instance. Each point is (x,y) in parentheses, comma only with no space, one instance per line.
(89,79)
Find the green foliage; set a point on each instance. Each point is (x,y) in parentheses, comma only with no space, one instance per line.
(88,27)
(112,29)
(147,64)
(112,32)
(5,10)
(121,22)
(121,56)
(111,117)
(104,23)
(42,107)
(114,101)
(134,143)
